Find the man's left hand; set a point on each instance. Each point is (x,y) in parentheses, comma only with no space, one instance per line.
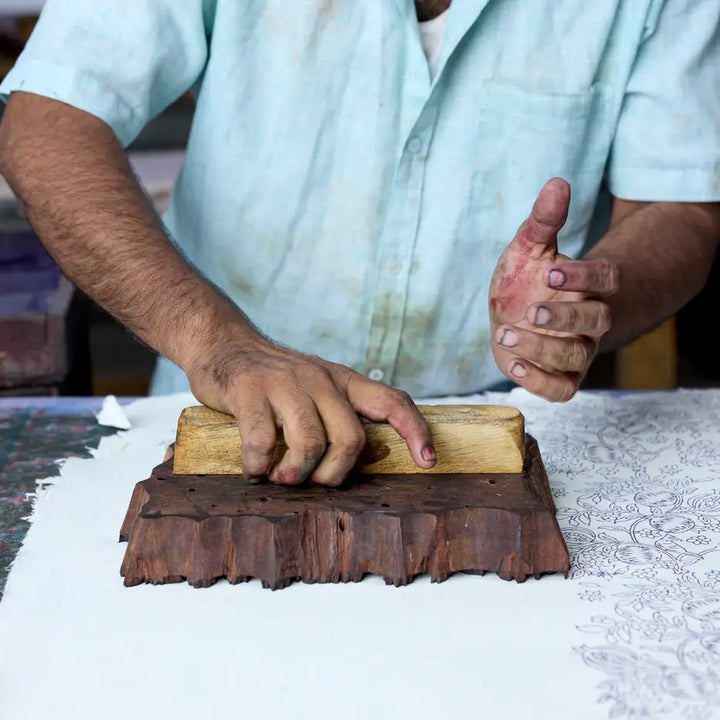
(548,312)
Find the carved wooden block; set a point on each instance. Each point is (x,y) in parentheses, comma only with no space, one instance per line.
(202,528)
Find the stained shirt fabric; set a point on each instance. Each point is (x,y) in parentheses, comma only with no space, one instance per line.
(354,207)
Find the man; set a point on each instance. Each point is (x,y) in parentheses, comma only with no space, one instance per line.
(352,195)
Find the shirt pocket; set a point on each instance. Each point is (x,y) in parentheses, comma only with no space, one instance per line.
(525,138)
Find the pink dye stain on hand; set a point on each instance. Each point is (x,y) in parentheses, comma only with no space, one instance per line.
(519,278)
(287,476)
(509,294)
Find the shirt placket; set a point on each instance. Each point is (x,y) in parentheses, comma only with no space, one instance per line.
(396,249)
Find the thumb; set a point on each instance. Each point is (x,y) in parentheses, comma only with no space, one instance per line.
(538,234)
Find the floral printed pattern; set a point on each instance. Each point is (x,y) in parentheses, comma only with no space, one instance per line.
(636,481)
(661,649)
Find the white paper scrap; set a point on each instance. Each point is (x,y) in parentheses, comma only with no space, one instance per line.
(112,415)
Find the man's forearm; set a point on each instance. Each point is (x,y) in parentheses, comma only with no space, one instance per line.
(664,252)
(82,198)
(84,202)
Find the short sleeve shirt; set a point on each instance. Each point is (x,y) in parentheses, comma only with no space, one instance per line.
(354,207)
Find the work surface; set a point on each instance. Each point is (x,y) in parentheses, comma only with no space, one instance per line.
(634,632)
(34,433)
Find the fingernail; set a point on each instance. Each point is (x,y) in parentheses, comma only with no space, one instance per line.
(509,338)
(518,370)
(542,316)
(428,454)
(557,278)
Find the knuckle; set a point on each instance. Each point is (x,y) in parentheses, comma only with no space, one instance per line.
(259,443)
(402,398)
(604,318)
(524,233)
(312,445)
(572,317)
(352,444)
(604,276)
(564,391)
(537,345)
(612,275)
(336,369)
(545,389)
(305,419)
(344,378)
(314,373)
(249,384)
(578,357)
(556,389)
(603,268)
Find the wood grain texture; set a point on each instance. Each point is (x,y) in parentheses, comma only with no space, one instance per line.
(202,528)
(468,439)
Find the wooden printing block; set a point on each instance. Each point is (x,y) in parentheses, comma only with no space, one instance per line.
(201,528)
(467,438)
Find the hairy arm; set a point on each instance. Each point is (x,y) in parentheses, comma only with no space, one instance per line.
(664,252)
(82,199)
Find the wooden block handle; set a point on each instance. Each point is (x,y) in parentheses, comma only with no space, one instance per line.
(468,439)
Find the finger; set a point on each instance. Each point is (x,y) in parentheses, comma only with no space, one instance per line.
(586,317)
(573,353)
(556,387)
(538,234)
(346,439)
(258,434)
(169,453)
(384,404)
(592,277)
(305,438)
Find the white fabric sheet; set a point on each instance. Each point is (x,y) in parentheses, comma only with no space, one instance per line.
(634,633)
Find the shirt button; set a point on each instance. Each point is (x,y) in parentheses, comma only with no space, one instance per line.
(395,266)
(376,374)
(415,145)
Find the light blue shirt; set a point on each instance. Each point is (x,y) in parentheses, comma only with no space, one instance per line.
(352,207)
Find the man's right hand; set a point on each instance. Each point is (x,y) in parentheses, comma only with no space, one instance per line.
(72,175)
(314,402)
